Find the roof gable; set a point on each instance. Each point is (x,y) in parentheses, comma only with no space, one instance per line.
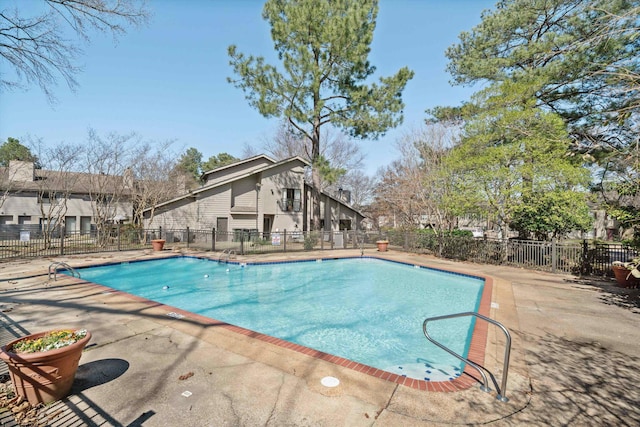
(238,168)
(229,178)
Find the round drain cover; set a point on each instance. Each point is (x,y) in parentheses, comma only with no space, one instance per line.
(330,382)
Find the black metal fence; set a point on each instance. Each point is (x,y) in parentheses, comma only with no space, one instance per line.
(574,257)
(580,258)
(36,243)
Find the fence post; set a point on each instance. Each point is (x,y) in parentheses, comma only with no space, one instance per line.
(284,240)
(585,257)
(554,255)
(188,237)
(118,237)
(213,239)
(160,232)
(242,243)
(61,239)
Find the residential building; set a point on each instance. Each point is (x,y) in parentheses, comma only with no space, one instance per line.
(35,199)
(255,195)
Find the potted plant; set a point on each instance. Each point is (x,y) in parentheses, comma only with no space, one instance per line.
(627,273)
(382,245)
(157,244)
(42,366)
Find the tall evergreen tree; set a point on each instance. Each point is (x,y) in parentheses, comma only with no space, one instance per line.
(580,59)
(221,159)
(190,163)
(323,46)
(12,149)
(512,161)
(542,61)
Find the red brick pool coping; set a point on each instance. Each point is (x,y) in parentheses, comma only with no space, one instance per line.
(476,348)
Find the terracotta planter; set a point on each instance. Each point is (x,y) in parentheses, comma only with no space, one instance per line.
(624,277)
(43,377)
(158,244)
(382,245)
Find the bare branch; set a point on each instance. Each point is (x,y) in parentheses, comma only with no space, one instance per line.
(37,50)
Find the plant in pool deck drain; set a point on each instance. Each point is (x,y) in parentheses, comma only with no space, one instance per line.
(50,341)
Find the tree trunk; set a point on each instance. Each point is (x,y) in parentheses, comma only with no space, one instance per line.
(316,180)
(505,241)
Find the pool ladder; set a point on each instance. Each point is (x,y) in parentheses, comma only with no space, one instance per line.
(501,390)
(228,253)
(53,269)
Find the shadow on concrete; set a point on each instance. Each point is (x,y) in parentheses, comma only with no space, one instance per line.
(77,409)
(98,372)
(581,383)
(9,331)
(611,294)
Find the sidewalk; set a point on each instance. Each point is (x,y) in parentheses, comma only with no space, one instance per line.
(575,358)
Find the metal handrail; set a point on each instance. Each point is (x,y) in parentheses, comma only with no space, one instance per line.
(227,252)
(65,266)
(507,352)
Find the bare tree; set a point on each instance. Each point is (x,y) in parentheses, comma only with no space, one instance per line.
(340,153)
(395,197)
(56,181)
(249,150)
(414,190)
(8,182)
(36,45)
(109,179)
(152,183)
(361,187)
(7,185)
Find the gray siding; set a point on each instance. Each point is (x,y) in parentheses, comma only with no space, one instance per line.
(244,193)
(26,204)
(243,204)
(234,172)
(213,204)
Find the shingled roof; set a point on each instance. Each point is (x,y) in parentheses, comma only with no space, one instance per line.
(60,182)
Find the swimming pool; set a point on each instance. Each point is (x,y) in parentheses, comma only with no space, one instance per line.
(363,309)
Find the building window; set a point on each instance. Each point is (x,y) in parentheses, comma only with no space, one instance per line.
(85,224)
(104,199)
(291,201)
(47,198)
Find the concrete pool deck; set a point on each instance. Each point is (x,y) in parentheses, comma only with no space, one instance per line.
(575,357)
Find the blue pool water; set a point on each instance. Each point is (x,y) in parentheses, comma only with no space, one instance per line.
(363,309)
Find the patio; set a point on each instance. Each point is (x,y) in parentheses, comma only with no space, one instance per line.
(575,358)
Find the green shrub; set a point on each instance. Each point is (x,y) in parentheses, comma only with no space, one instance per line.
(310,241)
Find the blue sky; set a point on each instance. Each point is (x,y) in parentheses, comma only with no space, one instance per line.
(168,80)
